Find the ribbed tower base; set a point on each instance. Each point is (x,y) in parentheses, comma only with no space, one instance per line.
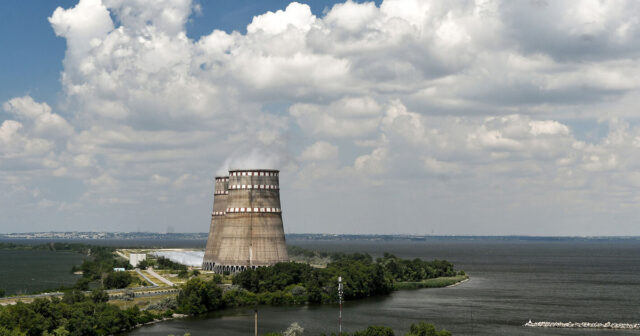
(249,233)
(220,195)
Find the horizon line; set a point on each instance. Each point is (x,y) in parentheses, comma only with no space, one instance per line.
(339,234)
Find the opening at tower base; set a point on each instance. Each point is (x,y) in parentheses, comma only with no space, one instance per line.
(246,223)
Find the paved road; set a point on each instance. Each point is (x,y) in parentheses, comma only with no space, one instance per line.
(122,255)
(146,277)
(159,277)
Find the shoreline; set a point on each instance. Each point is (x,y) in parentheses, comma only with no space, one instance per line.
(178,316)
(583,325)
(440,282)
(458,283)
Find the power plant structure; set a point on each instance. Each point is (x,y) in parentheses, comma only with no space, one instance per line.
(246,223)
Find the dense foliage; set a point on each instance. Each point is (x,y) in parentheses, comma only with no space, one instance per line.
(375,331)
(287,283)
(166,263)
(416,269)
(292,282)
(74,314)
(101,261)
(99,267)
(198,296)
(426,329)
(117,280)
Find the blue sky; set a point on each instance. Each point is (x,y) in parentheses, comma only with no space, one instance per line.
(395,116)
(33,54)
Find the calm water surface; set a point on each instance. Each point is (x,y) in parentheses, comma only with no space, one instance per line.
(32,271)
(511,282)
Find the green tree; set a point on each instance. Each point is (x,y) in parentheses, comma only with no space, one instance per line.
(198,296)
(375,331)
(82,284)
(2,292)
(118,280)
(73,296)
(217,278)
(99,296)
(426,329)
(11,332)
(143,264)
(166,263)
(60,331)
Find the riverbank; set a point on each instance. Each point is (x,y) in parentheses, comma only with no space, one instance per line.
(283,284)
(584,325)
(439,282)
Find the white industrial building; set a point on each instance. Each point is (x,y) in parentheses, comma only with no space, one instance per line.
(136,258)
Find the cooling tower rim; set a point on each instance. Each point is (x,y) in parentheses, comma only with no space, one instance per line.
(254,170)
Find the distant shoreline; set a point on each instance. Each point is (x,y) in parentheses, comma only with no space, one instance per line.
(40,237)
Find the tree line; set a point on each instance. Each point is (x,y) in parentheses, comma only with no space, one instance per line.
(299,283)
(76,314)
(282,283)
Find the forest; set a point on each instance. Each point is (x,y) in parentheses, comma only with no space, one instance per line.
(299,283)
(75,314)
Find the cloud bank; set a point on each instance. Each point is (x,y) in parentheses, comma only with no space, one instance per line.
(470,117)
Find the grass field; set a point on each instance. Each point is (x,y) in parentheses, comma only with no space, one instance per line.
(431,283)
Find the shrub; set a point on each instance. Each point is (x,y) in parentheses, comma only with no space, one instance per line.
(164,304)
(198,296)
(143,264)
(166,263)
(238,297)
(375,331)
(73,296)
(117,280)
(217,279)
(82,284)
(294,330)
(98,296)
(426,329)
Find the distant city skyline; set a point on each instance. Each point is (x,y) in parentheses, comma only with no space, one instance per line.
(386,117)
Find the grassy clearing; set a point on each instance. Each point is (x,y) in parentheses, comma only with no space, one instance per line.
(431,283)
(141,301)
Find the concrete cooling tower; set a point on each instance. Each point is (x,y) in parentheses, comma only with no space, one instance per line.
(248,233)
(220,194)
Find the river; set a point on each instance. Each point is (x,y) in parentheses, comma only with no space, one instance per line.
(511,282)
